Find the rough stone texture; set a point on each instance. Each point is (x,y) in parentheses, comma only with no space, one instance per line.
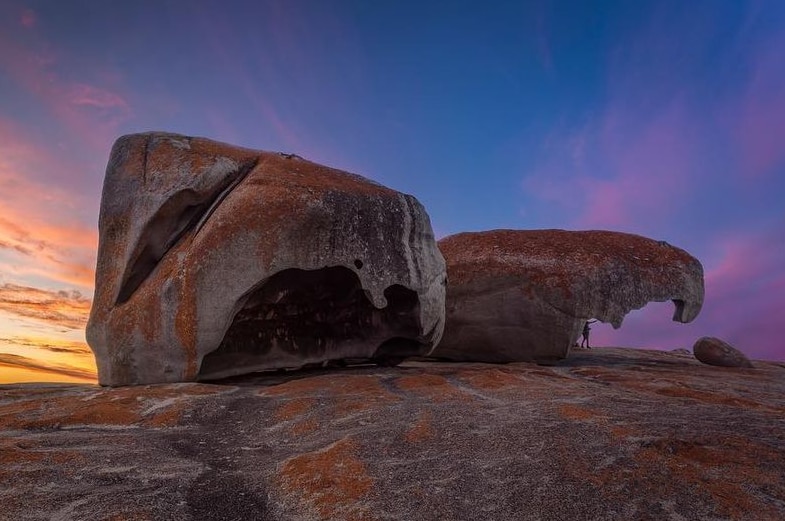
(608,434)
(516,295)
(215,260)
(714,351)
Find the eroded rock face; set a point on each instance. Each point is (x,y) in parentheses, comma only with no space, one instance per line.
(215,260)
(713,351)
(524,295)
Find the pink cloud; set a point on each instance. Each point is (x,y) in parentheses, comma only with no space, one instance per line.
(760,129)
(92,112)
(650,164)
(745,296)
(91,96)
(28,18)
(620,169)
(41,231)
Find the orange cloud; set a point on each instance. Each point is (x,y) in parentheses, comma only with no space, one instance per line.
(17,362)
(40,226)
(70,347)
(66,309)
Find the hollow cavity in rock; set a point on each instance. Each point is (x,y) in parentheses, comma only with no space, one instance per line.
(300,316)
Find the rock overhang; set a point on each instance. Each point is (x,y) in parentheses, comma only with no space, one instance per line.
(544,284)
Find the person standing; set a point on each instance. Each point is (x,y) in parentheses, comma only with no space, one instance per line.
(586,330)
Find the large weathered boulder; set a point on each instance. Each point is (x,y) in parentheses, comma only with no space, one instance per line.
(215,260)
(524,295)
(713,351)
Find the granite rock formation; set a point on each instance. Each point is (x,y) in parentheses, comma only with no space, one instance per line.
(609,434)
(517,295)
(215,260)
(713,351)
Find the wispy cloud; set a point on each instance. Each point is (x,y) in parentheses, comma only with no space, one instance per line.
(83,106)
(41,225)
(48,344)
(23,362)
(745,288)
(760,127)
(619,170)
(92,96)
(670,150)
(28,18)
(64,309)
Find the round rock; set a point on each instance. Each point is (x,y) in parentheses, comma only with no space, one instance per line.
(713,351)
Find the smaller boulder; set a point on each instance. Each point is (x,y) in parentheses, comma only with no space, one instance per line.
(713,351)
(681,351)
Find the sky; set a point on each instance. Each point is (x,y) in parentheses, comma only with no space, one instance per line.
(661,118)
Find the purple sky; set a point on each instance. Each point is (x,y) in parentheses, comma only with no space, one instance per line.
(663,118)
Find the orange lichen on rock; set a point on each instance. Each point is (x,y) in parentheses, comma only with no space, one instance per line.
(587,248)
(716,398)
(574,412)
(13,452)
(432,386)
(304,427)
(727,469)
(149,405)
(490,379)
(294,408)
(422,429)
(332,481)
(25,452)
(351,393)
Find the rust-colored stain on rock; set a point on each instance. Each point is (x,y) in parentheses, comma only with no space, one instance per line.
(432,387)
(608,434)
(422,429)
(587,248)
(574,412)
(344,394)
(490,378)
(159,406)
(293,408)
(332,481)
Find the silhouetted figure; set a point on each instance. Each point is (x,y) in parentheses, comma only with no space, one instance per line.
(586,330)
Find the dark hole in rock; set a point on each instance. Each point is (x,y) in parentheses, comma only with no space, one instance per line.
(358,263)
(298,317)
(173,219)
(678,310)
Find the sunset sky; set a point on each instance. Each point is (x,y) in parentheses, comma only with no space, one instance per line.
(662,118)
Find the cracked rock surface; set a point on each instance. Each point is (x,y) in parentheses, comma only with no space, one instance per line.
(607,434)
(524,295)
(215,260)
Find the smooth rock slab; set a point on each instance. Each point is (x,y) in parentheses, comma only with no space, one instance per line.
(713,351)
(215,260)
(524,295)
(609,434)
